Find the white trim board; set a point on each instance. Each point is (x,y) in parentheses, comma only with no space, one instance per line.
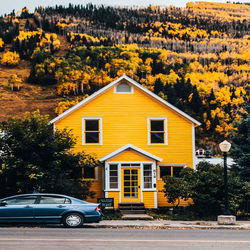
(136,84)
(129,146)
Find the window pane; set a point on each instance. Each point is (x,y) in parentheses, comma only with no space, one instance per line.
(147,179)
(113,185)
(157,125)
(53,200)
(25,200)
(147,166)
(91,125)
(92,137)
(113,173)
(134,171)
(157,137)
(123,88)
(147,185)
(165,171)
(113,176)
(113,167)
(113,179)
(89,173)
(147,173)
(176,171)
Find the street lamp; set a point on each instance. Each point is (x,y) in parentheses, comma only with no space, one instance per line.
(225,147)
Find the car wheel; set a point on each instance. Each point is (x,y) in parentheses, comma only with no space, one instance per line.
(73,220)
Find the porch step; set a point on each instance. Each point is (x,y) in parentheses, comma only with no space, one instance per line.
(123,211)
(132,208)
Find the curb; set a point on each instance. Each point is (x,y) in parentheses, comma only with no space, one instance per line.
(173,227)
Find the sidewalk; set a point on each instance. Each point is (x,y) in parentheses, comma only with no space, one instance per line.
(167,224)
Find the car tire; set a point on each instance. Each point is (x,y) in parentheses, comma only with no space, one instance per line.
(73,220)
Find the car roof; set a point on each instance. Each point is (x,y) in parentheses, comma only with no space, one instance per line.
(36,194)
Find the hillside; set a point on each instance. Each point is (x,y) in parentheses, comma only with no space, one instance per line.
(197,58)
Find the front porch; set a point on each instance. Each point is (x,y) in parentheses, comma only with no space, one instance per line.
(130,177)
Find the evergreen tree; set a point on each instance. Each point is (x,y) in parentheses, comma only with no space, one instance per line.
(196,103)
(241,146)
(158,86)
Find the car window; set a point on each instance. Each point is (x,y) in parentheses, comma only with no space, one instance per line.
(54,200)
(23,200)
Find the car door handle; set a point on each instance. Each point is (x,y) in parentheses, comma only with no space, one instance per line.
(61,206)
(28,206)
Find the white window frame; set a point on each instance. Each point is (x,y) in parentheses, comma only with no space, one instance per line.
(165,131)
(168,165)
(117,92)
(100,128)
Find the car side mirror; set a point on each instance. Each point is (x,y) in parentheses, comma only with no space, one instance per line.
(3,203)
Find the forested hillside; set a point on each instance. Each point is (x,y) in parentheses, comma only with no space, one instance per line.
(196,58)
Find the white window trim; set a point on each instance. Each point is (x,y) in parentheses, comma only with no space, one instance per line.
(119,163)
(165,129)
(107,168)
(83,131)
(117,92)
(168,165)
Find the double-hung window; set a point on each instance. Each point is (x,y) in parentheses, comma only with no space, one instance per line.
(113,176)
(92,131)
(147,176)
(157,131)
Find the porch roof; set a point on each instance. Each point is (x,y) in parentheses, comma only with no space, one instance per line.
(126,147)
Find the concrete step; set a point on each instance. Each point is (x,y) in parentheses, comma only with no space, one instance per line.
(136,217)
(133,211)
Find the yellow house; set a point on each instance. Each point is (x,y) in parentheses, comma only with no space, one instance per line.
(138,138)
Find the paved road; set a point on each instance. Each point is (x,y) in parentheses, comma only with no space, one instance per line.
(13,238)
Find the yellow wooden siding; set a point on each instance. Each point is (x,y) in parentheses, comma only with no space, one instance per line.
(148,199)
(125,122)
(162,200)
(96,186)
(114,195)
(129,155)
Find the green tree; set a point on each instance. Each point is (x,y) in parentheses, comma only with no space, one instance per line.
(33,156)
(206,188)
(241,146)
(176,188)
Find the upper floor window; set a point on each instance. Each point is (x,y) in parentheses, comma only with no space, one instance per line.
(157,131)
(123,88)
(92,131)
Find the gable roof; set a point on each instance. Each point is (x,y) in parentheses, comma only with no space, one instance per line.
(134,83)
(129,146)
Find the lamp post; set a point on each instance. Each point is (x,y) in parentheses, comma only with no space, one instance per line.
(225,147)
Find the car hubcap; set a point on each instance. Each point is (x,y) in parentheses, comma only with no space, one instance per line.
(73,220)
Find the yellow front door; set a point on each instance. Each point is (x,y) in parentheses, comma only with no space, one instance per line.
(131,187)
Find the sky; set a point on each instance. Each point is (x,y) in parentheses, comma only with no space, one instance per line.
(8,5)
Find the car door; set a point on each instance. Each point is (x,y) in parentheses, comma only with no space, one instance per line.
(18,209)
(50,208)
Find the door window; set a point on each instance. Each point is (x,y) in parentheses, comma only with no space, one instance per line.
(23,200)
(54,200)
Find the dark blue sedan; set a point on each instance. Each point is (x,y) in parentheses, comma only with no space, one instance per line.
(48,208)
